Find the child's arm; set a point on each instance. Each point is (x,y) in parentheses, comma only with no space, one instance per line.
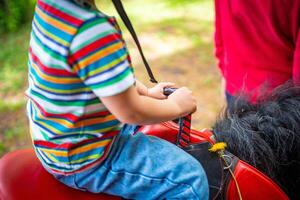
(154,92)
(141,88)
(133,108)
(98,56)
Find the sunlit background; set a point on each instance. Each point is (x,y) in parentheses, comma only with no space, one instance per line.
(177,37)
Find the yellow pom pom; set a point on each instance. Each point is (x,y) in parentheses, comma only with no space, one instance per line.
(220,146)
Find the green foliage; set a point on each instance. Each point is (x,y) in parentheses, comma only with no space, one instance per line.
(175,3)
(14,13)
(13,56)
(11,106)
(2,148)
(15,135)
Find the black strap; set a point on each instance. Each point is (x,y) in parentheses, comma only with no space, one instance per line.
(217,174)
(183,136)
(119,7)
(212,165)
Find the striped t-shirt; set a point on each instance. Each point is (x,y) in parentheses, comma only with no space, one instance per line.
(76,56)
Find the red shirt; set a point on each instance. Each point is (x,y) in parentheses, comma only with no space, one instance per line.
(257,42)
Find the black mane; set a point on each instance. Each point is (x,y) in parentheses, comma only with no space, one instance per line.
(267,135)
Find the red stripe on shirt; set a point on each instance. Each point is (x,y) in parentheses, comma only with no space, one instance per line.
(70,146)
(71,117)
(59,14)
(47,70)
(92,47)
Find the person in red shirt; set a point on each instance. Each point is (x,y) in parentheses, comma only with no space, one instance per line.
(257,44)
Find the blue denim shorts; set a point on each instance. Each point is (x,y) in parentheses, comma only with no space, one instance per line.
(143,167)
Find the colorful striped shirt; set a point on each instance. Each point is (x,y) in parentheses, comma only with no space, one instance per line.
(76,56)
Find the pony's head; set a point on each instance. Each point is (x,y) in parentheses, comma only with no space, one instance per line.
(266,135)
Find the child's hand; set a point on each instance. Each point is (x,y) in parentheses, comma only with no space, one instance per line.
(185,101)
(157,91)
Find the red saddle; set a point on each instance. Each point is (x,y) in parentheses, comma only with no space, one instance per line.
(23,177)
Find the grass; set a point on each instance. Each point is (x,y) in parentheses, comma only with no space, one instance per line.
(13,57)
(177,39)
(13,73)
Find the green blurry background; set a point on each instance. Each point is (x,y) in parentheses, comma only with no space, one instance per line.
(177,37)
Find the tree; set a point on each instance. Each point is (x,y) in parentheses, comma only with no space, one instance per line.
(14,13)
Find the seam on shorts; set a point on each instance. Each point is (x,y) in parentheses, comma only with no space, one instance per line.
(154,179)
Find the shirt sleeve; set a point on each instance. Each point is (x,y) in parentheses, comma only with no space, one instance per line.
(296,61)
(99,57)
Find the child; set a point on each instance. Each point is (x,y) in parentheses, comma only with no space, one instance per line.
(81,90)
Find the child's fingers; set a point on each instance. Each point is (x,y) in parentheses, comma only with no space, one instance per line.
(167,84)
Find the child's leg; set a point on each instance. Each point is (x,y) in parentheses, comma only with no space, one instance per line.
(145,167)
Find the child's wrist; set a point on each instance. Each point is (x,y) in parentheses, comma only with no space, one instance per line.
(175,107)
